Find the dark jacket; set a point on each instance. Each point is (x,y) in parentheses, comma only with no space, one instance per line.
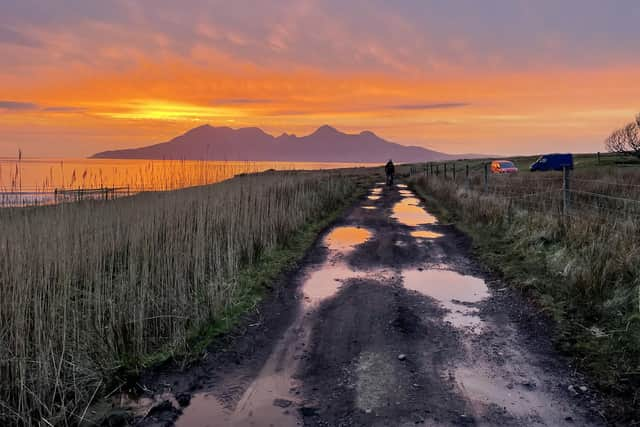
(389,168)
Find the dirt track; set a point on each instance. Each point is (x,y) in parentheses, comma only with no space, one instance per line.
(389,322)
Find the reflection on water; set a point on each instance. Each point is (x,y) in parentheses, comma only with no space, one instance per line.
(456,292)
(409,212)
(402,186)
(406,193)
(369,208)
(205,410)
(137,174)
(271,399)
(423,234)
(345,238)
(373,197)
(486,388)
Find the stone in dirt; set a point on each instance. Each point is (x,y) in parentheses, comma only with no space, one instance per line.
(183,399)
(164,410)
(308,411)
(116,419)
(282,403)
(402,357)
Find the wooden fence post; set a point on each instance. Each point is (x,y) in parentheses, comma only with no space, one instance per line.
(445,171)
(466,176)
(486,177)
(454,171)
(598,155)
(566,191)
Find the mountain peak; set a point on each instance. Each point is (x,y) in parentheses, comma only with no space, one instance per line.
(326,130)
(326,144)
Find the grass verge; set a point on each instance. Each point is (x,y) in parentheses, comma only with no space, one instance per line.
(576,274)
(97,288)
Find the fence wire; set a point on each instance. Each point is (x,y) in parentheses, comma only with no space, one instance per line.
(572,197)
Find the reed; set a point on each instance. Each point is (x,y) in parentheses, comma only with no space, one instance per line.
(90,287)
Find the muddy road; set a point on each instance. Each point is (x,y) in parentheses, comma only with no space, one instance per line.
(389,322)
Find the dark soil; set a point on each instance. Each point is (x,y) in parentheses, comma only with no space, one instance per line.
(379,354)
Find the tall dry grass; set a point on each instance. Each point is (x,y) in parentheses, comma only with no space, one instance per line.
(88,287)
(584,268)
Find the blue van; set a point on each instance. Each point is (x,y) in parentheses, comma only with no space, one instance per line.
(553,162)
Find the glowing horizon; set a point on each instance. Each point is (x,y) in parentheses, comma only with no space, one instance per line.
(513,78)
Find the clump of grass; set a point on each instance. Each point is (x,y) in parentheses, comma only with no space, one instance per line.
(583,270)
(90,288)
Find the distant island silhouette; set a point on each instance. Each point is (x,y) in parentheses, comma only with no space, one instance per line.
(326,144)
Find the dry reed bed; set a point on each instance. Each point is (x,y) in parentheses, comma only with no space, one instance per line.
(585,269)
(89,286)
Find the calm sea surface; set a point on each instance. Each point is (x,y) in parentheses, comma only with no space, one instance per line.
(33,179)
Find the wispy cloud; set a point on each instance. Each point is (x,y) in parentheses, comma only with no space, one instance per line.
(434,106)
(241,101)
(10,36)
(18,106)
(63,109)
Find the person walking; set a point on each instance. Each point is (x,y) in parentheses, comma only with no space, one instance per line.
(390,170)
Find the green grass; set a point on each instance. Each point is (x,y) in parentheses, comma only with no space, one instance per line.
(583,274)
(586,161)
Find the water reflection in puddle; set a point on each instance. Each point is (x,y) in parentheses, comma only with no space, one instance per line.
(407,193)
(454,291)
(402,186)
(344,238)
(423,234)
(519,397)
(409,212)
(369,208)
(271,399)
(373,197)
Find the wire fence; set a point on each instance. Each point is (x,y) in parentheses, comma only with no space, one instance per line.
(554,193)
(42,197)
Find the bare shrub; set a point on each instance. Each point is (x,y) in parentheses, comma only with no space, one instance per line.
(625,140)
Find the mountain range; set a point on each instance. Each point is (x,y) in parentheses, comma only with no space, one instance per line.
(326,144)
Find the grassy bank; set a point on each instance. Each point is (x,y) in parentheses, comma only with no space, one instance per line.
(92,288)
(583,271)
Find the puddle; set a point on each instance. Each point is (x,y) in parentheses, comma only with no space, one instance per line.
(325,282)
(377,190)
(369,208)
(454,291)
(407,193)
(373,197)
(402,186)
(516,385)
(271,399)
(205,410)
(423,234)
(409,212)
(519,397)
(345,238)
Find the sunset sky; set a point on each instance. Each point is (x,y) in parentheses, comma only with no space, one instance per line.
(491,76)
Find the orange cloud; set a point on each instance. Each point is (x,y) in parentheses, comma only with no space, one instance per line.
(85,111)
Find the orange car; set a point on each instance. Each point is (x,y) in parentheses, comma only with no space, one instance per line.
(503,166)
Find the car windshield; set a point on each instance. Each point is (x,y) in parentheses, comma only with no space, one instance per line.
(506,165)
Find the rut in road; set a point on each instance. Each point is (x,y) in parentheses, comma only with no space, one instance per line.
(392,324)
